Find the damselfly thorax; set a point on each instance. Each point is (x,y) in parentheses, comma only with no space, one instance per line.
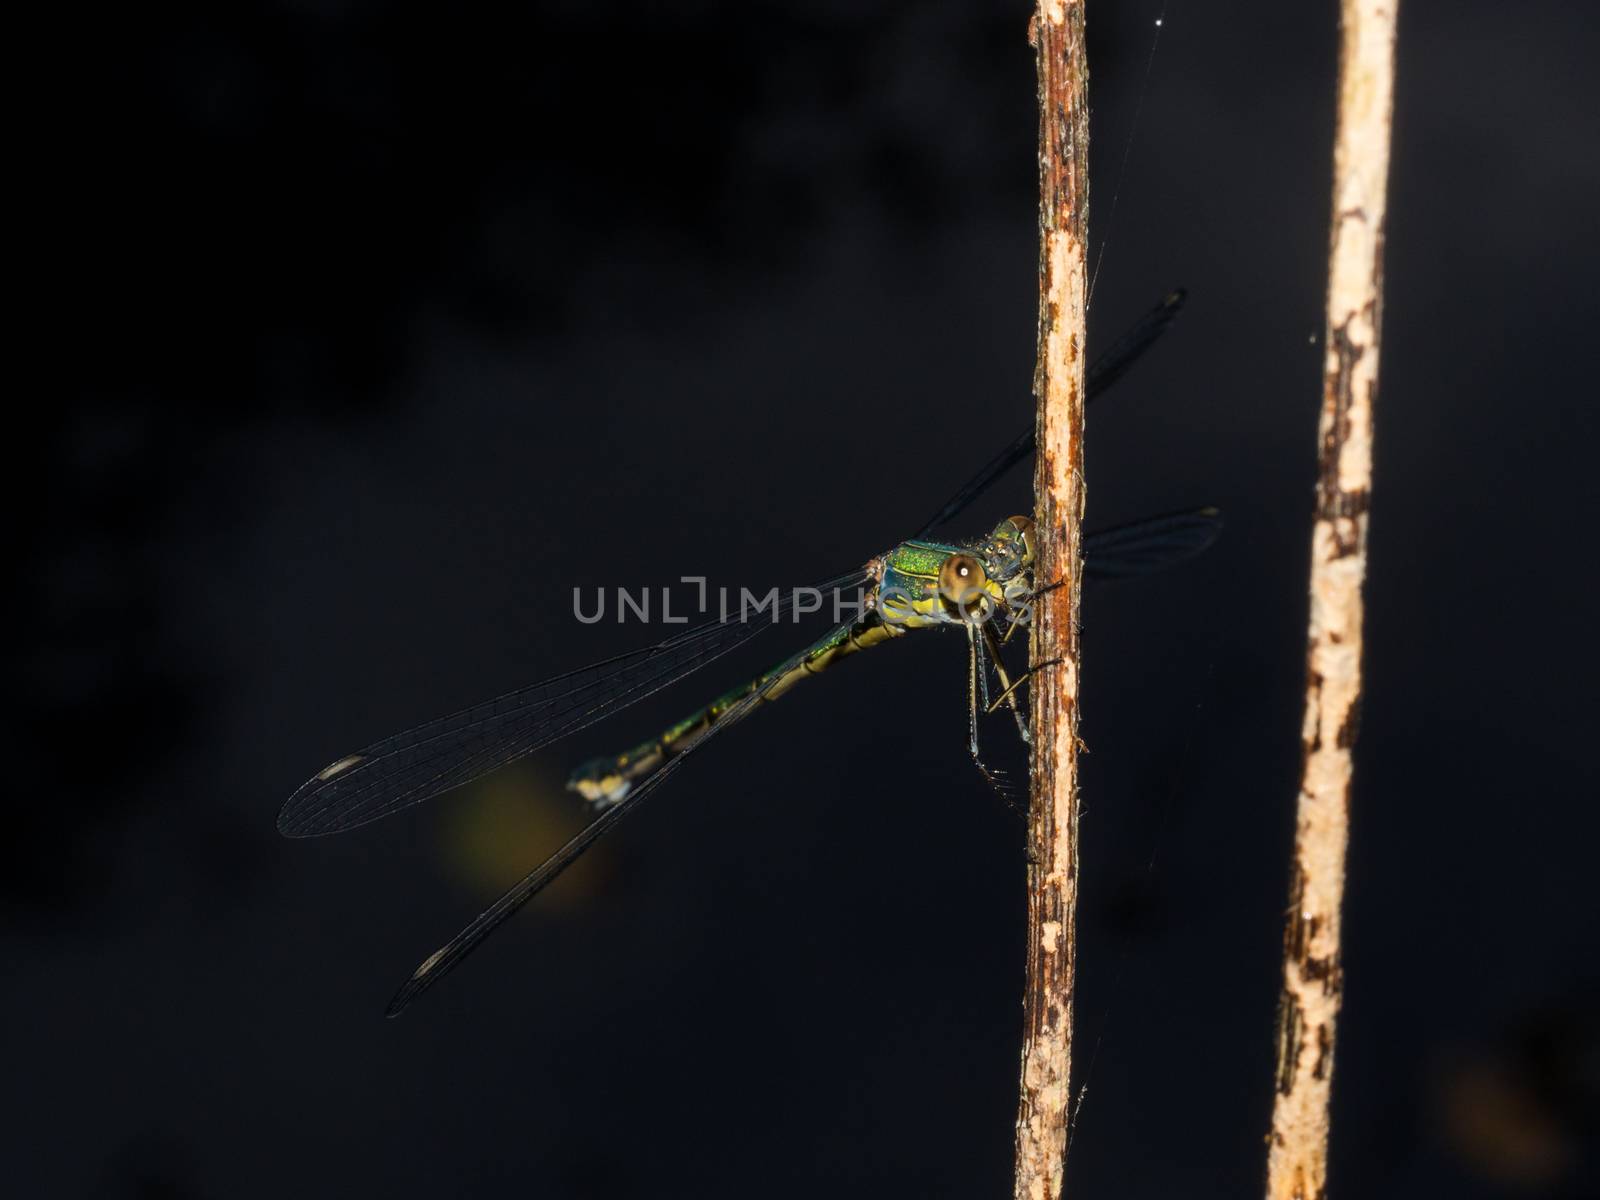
(928,584)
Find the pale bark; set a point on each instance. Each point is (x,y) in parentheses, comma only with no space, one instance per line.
(1044,1108)
(1297,1157)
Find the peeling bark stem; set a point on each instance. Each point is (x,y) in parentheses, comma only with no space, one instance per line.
(1056,32)
(1297,1157)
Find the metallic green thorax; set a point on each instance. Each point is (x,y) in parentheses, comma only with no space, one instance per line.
(909,592)
(908,595)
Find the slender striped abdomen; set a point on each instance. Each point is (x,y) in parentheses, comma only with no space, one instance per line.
(604,781)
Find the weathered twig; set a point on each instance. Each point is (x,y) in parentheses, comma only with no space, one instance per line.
(1297,1160)
(1057,35)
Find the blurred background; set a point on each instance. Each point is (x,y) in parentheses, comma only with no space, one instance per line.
(378,328)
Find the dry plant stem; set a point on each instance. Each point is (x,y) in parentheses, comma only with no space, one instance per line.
(1043,1111)
(1297,1158)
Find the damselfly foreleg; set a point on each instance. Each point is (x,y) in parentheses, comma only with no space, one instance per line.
(976,679)
(1008,694)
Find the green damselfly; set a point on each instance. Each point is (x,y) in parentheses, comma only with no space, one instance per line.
(973,586)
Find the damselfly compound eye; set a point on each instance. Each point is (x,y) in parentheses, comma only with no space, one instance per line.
(962,580)
(1024,528)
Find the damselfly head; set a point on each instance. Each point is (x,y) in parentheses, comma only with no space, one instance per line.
(1009,548)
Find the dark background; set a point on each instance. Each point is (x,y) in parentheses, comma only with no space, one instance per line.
(377,328)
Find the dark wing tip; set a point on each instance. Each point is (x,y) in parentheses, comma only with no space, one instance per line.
(296,819)
(1205,526)
(419,982)
(1151,545)
(1202,525)
(303,816)
(287,826)
(300,817)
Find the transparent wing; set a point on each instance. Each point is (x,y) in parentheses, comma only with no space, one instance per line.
(449,751)
(1112,365)
(443,960)
(1149,545)
(1103,372)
